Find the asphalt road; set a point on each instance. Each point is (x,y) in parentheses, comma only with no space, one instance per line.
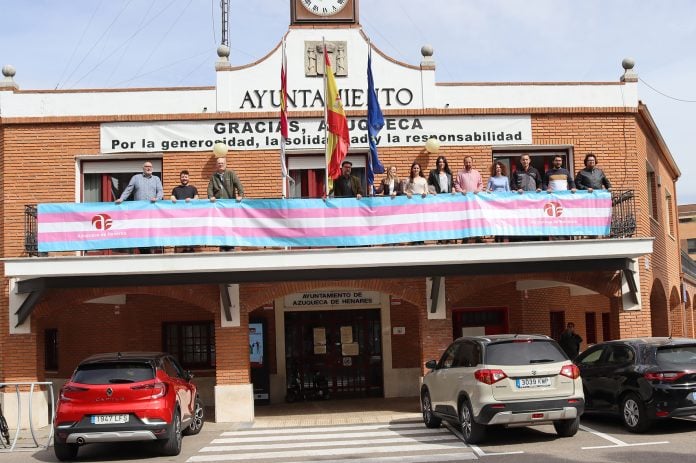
(601,439)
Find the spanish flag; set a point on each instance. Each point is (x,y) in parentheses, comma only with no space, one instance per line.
(338,137)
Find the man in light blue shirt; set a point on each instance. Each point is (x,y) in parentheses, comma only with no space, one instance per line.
(144,187)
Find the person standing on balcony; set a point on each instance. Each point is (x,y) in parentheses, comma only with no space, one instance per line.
(498,181)
(347,185)
(440,178)
(390,184)
(557,178)
(416,184)
(143,187)
(526,177)
(591,177)
(224,183)
(185,192)
(468,179)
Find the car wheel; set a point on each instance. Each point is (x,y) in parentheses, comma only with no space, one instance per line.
(567,428)
(172,446)
(430,420)
(197,421)
(472,431)
(633,412)
(65,452)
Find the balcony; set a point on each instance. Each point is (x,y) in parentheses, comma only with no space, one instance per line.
(603,245)
(338,223)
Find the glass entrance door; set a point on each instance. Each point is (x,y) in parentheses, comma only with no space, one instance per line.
(342,347)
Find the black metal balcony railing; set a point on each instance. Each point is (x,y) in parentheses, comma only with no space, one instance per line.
(31,244)
(623,221)
(623,214)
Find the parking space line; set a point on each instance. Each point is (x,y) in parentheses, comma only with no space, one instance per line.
(477,450)
(617,442)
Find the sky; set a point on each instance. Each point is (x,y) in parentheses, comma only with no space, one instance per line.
(74,44)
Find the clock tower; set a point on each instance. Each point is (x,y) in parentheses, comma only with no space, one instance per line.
(323,11)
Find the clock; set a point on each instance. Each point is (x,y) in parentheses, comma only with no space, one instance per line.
(323,11)
(324,7)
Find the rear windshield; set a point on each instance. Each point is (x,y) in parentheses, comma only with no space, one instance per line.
(524,353)
(113,373)
(677,355)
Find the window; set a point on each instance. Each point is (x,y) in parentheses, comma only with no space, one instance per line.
(591,356)
(192,343)
(691,245)
(557,319)
(621,355)
(469,354)
(652,191)
(670,213)
(51,349)
(104,181)
(309,175)
(591,327)
(540,159)
(448,359)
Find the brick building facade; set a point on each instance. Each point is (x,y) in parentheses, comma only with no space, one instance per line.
(52,141)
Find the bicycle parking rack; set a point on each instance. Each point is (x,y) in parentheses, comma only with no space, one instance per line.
(31,386)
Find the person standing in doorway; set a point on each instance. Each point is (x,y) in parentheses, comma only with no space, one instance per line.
(526,177)
(558,178)
(347,185)
(143,187)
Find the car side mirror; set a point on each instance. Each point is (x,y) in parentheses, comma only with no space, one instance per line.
(189,375)
(431,364)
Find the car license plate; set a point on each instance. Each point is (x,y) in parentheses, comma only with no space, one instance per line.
(523,383)
(109,419)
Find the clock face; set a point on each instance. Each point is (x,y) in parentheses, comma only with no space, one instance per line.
(324,7)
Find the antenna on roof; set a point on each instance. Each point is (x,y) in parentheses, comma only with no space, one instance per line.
(225,7)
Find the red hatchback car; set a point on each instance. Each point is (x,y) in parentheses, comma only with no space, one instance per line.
(125,397)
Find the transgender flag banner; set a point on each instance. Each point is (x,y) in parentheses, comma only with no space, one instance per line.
(315,222)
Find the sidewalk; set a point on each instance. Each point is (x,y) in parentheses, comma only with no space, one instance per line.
(336,412)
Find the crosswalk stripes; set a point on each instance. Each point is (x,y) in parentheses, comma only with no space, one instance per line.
(403,442)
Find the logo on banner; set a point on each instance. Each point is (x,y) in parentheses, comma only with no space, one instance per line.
(553,209)
(101,221)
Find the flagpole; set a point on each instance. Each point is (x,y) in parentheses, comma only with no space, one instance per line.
(371,185)
(282,136)
(326,125)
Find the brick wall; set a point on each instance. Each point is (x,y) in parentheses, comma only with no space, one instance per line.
(38,162)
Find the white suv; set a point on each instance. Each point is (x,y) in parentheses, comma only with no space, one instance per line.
(505,379)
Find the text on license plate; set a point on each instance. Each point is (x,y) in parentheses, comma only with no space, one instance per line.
(109,419)
(533,382)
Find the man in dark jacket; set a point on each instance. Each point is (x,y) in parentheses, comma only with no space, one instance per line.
(347,185)
(526,177)
(591,178)
(224,183)
(570,341)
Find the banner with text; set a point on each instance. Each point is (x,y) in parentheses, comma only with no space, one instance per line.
(314,222)
(263,134)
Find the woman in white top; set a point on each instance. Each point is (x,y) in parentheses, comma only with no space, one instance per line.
(416,182)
